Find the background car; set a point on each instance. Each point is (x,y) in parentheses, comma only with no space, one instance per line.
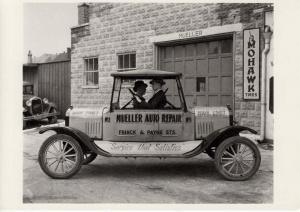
(36,108)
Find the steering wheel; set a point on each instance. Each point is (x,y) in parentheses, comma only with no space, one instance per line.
(132,93)
(133,97)
(172,106)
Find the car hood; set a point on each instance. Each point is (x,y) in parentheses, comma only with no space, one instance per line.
(26,97)
(209,119)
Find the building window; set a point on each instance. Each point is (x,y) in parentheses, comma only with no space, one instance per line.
(126,61)
(200,84)
(91,73)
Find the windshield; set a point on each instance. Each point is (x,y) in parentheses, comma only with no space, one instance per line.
(146,94)
(28,89)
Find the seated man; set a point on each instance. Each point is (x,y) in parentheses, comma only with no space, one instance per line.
(158,100)
(139,89)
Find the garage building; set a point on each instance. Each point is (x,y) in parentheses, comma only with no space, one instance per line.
(205,42)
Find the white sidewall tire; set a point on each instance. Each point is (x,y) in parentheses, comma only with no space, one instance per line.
(228,142)
(42,154)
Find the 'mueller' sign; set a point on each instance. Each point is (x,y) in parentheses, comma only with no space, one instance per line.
(251,64)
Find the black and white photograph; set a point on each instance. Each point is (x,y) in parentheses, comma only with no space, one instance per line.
(144,104)
(148,103)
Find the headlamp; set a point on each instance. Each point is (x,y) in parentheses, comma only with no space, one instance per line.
(28,103)
(45,100)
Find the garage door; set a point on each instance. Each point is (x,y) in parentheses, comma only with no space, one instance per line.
(206,68)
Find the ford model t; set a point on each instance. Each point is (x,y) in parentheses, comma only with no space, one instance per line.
(171,130)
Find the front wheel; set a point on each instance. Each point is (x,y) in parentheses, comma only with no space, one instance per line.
(52,119)
(237,158)
(60,156)
(24,124)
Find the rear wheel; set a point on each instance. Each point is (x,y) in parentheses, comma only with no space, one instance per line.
(60,156)
(237,158)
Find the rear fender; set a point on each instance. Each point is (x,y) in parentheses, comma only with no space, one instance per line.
(84,140)
(215,138)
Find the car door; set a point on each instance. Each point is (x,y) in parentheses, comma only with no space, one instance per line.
(132,125)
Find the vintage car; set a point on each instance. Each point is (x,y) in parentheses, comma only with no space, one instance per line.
(34,108)
(170,132)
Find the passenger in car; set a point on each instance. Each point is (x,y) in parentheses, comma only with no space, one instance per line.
(139,101)
(158,100)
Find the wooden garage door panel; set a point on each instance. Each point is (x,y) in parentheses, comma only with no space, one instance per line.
(168,66)
(226,100)
(179,66)
(201,49)
(189,85)
(190,67)
(213,100)
(168,53)
(190,50)
(179,51)
(213,47)
(207,71)
(202,67)
(201,100)
(213,84)
(226,65)
(213,66)
(226,84)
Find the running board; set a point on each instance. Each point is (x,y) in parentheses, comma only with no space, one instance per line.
(148,149)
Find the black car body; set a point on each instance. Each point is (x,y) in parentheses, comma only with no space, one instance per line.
(36,108)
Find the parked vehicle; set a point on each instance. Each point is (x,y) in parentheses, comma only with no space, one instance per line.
(170,132)
(36,108)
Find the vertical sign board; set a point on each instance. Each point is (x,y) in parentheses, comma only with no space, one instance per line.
(251,64)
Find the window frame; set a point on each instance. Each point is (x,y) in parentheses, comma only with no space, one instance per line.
(123,54)
(86,71)
(122,85)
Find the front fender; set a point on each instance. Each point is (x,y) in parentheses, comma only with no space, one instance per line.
(216,137)
(49,106)
(84,140)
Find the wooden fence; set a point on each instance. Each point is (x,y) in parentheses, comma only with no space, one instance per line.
(54,83)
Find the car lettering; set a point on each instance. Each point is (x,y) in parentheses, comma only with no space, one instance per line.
(173,118)
(149,118)
(127,132)
(129,118)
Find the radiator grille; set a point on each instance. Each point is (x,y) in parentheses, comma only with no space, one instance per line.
(36,105)
(204,128)
(93,128)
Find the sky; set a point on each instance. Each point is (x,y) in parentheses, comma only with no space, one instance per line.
(46,27)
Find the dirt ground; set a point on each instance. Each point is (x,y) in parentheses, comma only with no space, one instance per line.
(143,180)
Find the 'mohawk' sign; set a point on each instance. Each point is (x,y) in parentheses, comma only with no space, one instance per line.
(251,64)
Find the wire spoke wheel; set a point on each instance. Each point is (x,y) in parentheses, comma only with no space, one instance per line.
(237,158)
(60,156)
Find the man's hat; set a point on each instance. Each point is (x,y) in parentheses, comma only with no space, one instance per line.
(158,80)
(139,84)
